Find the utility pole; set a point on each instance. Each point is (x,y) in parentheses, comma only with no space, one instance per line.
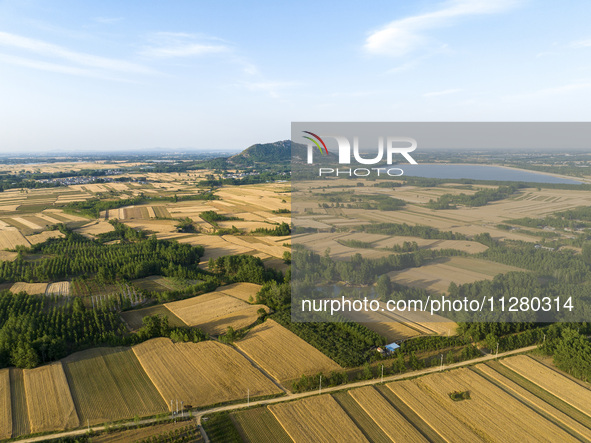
(248,397)
(497,356)
(182,410)
(382,373)
(441,367)
(320,386)
(171,409)
(544,339)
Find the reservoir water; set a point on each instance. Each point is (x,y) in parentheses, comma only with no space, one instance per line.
(481,172)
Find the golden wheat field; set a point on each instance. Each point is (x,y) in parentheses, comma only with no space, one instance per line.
(61,215)
(58,288)
(202,373)
(110,384)
(241,291)
(432,411)
(283,354)
(383,413)
(95,228)
(10,238)
(254,197)
(45,235)
(491,412)
(552,381)
(535,402)
(391,331)
(8,256)
(317,419)
(29,288)
(49,401)
(5,405)
(215,311)
(216,246)
(423,321)
(437,275)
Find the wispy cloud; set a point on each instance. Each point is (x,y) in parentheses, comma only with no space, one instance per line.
(273,88)
(54,67)
(581,44)
(60,53)
(444,92)
(107,20)
(405,35)
(178,44)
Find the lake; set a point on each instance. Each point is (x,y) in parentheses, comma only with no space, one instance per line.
(481,172)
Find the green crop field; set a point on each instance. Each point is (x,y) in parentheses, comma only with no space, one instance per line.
(20,413)
(259,424)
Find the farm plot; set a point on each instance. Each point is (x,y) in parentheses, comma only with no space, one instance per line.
(391,331)
(216,246)
(202,373)
(18,399)
(535,402)
(403,324)
(49,401)
(552,381)
(134,318)
(110,384)
(490,412)
(259,425)
(58,288)
(59,214)
(28,223)
(214,312)
(161,212)
(432,412)
(273,250)
(95,228)
(471,247)
(383,413)
(47,218)
(283,354)
(320,242)
(43,236)
(135,212)
(155,283)
(253,198)
(241,291)
(5,405)
(29,288)
(317,419)
(363,421)
(10,238)
(423,321)
(437,275)
(8,256)
(162,228)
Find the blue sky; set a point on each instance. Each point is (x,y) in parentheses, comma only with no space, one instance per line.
(118,75)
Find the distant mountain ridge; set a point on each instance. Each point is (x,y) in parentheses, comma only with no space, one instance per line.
(277,152)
